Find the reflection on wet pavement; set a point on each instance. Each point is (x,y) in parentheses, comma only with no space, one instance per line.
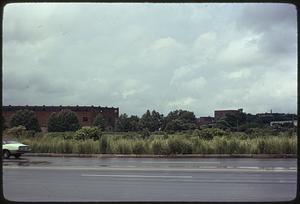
(23,162)
(153,163)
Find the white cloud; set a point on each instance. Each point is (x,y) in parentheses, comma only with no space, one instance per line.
(200,57)
(184,103)
(243,73)
(241,52)
(195,84)
(180,73)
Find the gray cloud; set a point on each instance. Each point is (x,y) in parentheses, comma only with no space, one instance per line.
(199,57)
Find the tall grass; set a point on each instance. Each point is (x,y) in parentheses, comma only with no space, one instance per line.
(129,143)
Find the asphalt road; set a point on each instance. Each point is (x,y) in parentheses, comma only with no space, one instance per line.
(92,179)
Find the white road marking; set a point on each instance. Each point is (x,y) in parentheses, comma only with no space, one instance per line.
(178,162)
(149,169)
(135,176)
(248,167)
(188,179)
(278,168)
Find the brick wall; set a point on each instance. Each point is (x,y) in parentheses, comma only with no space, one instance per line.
(221,113)
(85,114)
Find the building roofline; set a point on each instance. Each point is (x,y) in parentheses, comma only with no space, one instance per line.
(226,110)
(44,107)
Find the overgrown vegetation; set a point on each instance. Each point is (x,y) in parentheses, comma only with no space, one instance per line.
(25,118)
(62,121)
(206,141)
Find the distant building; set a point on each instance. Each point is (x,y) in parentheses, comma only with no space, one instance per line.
(269,118)
(292,122)
(222,113)
(85,114)
(205,120)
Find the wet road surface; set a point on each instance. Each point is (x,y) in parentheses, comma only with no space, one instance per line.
(146,179)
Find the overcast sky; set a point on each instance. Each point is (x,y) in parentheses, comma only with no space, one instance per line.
(196,57)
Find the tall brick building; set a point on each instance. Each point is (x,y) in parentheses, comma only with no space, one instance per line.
(85,114)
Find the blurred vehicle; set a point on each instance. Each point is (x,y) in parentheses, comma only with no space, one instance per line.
(14,148)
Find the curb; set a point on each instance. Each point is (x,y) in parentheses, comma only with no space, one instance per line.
(164,156)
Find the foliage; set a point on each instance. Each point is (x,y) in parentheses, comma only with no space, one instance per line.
(145,133)
(15,132)
(151,121)
(62,121)
(210,133)
(88,133)
(222,142)
(232,121)
(100,121)
(103,144)
(138,147)
(3,123)
(121,146)
(134,123)
(122,124)
(179,145)
(160,147)
(179,120)
(25,118)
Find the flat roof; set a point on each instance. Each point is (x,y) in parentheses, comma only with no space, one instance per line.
(55,108)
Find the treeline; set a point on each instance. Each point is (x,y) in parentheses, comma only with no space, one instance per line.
(182,120)
(150,121)
(178,120)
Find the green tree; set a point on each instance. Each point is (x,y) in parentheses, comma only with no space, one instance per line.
(179,120)
(146,121)
(134,123)
(63,121)
(157,120)
(100,121)
(25,118)
(232,121)
(151,121)
(122,124)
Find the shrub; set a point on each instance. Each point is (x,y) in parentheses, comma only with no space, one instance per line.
(196,132)
(120,146)
(62,121)
(100,121)
(261,146)
(210,133)
(103,144)
(179,145)
(25,118)
(138,147)
(88,147)
(159,146)
(145,133)
(88,133)
(15,132)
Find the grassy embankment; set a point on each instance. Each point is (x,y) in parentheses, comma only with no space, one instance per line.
(220,142)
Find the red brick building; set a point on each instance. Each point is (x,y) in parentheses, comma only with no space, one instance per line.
(85,114)
(221,113)
(205,120)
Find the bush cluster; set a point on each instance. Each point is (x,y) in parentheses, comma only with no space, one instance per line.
(88,133)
